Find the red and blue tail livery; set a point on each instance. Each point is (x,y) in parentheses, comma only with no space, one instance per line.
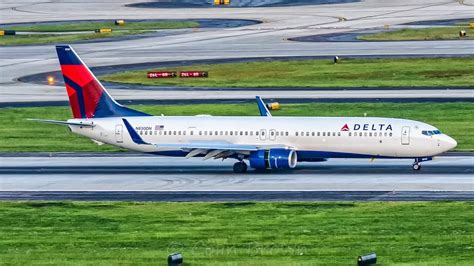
(88,98)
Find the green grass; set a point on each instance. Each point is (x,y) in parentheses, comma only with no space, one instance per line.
(17,134)
(245,233)
(130,28)
(320,73)
(90,26)
(438,33)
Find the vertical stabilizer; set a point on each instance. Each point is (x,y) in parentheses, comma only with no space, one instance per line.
(87,97)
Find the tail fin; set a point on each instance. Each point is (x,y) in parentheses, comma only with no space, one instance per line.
(87,97)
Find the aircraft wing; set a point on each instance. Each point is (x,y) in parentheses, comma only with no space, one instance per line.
(210,149)
(215,150)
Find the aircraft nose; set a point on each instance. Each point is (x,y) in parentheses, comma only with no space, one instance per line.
(448,142)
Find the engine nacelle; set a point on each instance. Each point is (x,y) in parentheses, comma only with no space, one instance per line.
(273,159)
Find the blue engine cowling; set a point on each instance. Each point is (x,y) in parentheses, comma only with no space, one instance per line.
(273,159)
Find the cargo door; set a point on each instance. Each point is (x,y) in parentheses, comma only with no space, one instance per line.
(405,135)
(119,133)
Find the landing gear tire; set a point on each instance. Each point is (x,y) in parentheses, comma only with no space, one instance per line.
(416,166)
(240,167)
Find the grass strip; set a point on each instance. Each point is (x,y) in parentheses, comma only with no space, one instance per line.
(423,34)
(90,26)
(243,233)
(130,28)
(369,73)
(19,135)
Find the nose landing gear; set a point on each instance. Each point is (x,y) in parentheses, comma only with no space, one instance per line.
(240,167)
(416,166)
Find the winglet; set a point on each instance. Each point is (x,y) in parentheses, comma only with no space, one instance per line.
(262,107)
(133,134)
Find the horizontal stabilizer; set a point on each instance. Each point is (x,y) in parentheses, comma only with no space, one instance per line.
(66,123)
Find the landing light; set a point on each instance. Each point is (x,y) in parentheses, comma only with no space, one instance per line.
(51,80)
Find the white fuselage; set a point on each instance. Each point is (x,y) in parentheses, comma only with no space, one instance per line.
(310,137)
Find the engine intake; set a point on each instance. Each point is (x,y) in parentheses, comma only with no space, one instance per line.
(273,159)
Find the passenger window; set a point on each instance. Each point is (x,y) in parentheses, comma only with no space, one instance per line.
(296,133)
(251,133)
(339,134)
(216,133)
(350,134)
(184,133)
(159,133)
(333,134)
(256,133)
(319,134)
(324,134)
(146,132)
(286,133)
(241,133)
(210,133)
(390,134)
(360,134)
(231,133)
(370,134)
(385,134)
(307,134)
(191,132)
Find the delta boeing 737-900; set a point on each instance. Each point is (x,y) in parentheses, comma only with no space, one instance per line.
(265,141)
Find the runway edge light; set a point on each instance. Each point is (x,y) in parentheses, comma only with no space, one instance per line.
(369,259)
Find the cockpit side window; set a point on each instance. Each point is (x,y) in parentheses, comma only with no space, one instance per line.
(430,132)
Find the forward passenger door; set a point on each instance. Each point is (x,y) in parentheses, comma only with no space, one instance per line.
(405,135)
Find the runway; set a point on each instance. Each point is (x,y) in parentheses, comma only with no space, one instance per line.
(121,176)
(228,196)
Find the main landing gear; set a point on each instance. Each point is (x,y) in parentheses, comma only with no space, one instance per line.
(240,167)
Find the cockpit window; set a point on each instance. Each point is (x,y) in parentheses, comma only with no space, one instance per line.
(430,132)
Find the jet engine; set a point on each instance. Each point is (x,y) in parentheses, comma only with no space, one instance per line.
(273,159)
